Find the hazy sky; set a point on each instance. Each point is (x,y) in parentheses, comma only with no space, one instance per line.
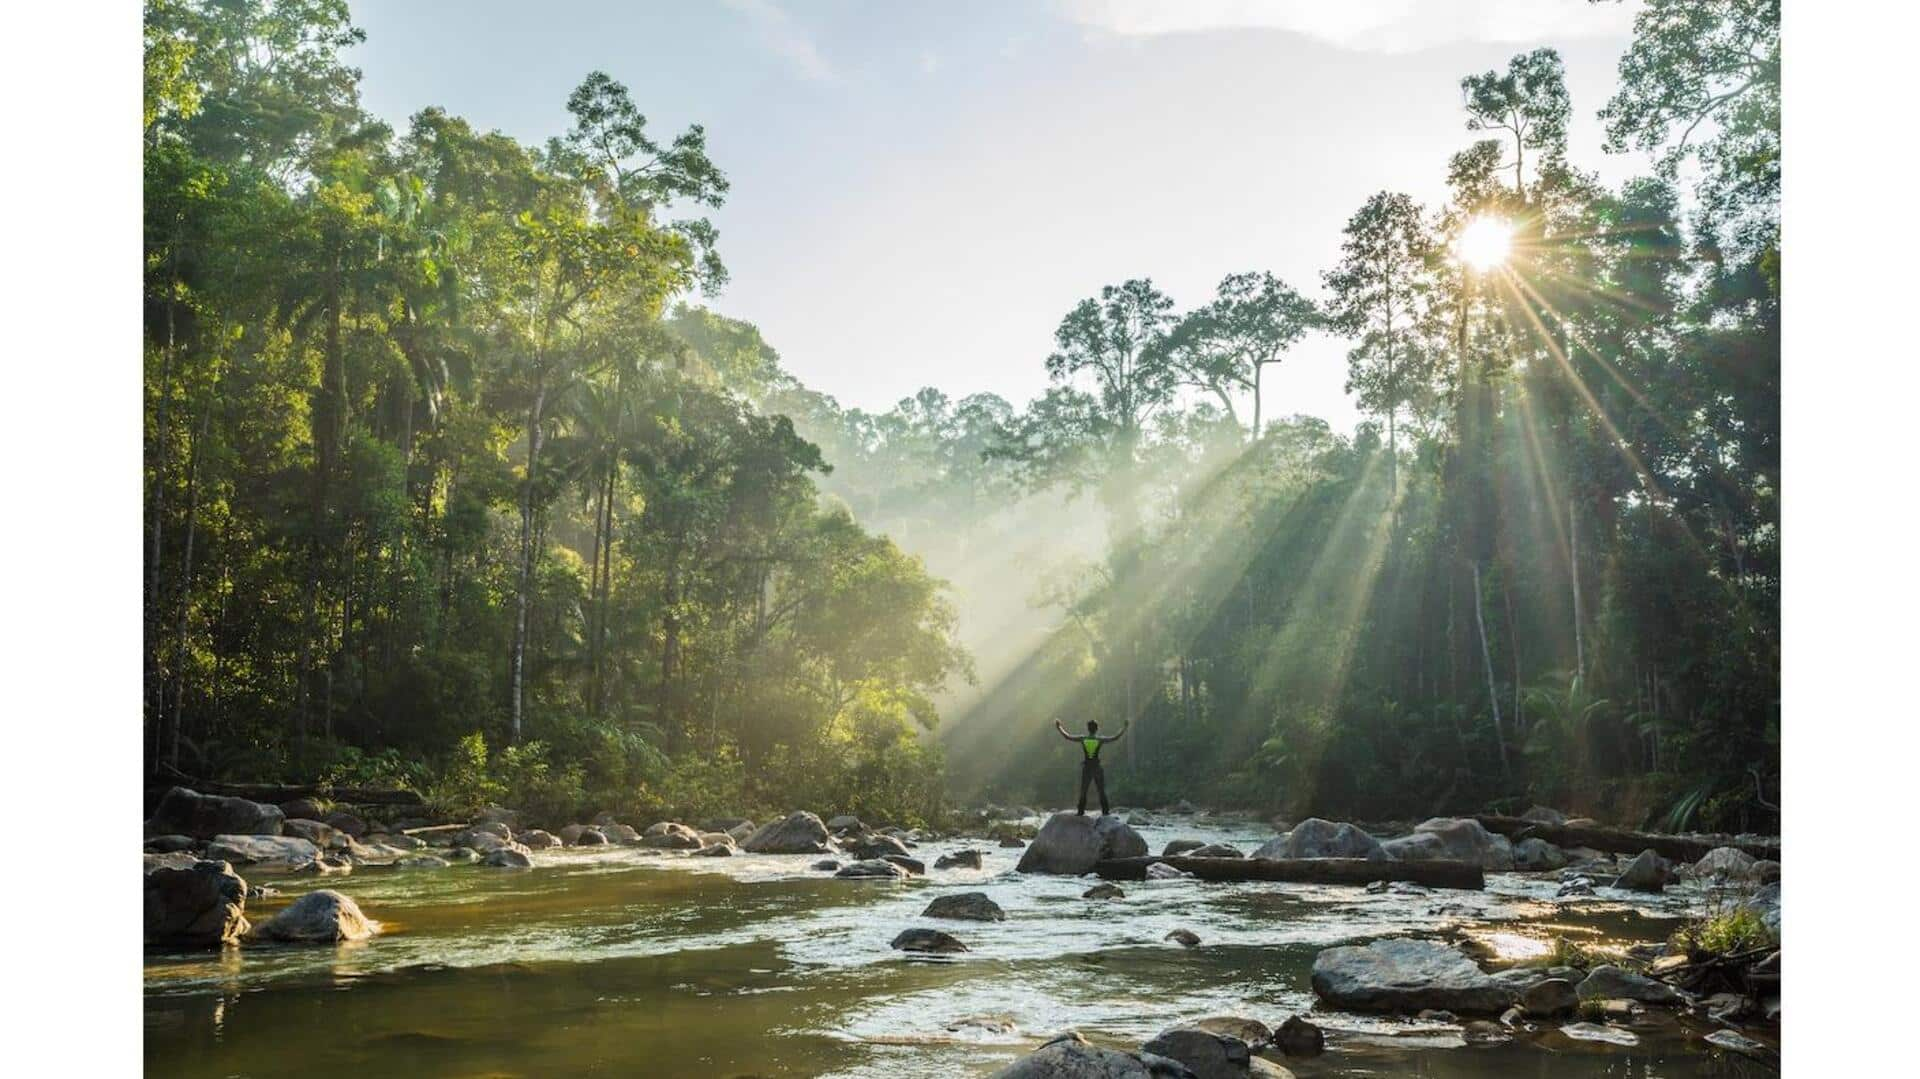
(921,191)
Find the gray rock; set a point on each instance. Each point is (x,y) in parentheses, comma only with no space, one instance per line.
(1163,871)
(914,866)
(1070,1056)
(305,809)
(589,837)
(1297,1037)
(1458,839)
(405,842)
(321,917)
(1176,847)
(1739,1043)
(742,832)
(1544,815)
(1536,855)
(1012,842)
(1186,938)
(872,869)
(969,906)
(670,835)
(1577,888)
(508,858)
(1614,983)
(927,940)
(206,816)
(1406,976)
(1216,850)
(169,844)
(342,821)
(796,833)
(1595,1032)
(201,904)
(1251,1031)
(422,861)
(714,850)
(1548,998)
(1648,872)
(461,855)
(266,851)
(537,839)
(874,846)
(1104,890)
(621,834)
(1316,838)
(825,865)
(845,822)
(1208,1055)
(1723,863)
(319,834)
(960,859)
(727,825)
(1071,844)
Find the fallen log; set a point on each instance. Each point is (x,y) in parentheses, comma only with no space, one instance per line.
(1685,848)
(1434,874)
(274,793)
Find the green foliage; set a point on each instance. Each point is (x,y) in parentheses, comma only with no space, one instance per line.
(1725,933)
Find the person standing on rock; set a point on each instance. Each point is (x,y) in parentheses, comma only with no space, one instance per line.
(1090,770)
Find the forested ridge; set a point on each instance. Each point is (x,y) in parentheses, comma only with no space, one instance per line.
(454,480)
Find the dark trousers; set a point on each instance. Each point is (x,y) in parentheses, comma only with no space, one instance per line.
(1090,772)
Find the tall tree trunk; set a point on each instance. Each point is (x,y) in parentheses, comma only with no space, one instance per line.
(1486,657)
(194,450)
(1573,575)
(1258,367)
(535,415)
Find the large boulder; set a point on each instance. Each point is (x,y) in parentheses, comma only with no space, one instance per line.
(169,844)
(1316,838)
(1252,1031)
(927,940)
(671,835)
(264,851)
(204,816)
(319,834)
(1725,863)
(322,917)
(1615,983)
(797,833)
(970,906)
(508,858)
(1070,1056)
(623,834)
(874,846)
(1454,839)
(845,822)
(200,904)
(1536,855)
(343,821)
(1072,844)
(1207,1054)
(1549,997)
(1765,902)
(538,839)
(1406,976)
(1648,872)
(1177,847)
(1298,1037)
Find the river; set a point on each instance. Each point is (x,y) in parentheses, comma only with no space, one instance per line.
(628,962)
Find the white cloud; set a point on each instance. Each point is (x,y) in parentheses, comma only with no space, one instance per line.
(785,38)
(1362,25)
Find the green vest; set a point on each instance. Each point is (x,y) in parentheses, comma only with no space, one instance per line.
(1092,747)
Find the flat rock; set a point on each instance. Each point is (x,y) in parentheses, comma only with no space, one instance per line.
(1071,844)
(1735,1042)
(871,869)
(1406,976)
(1216,850)
(1614,983)
(1548,998)
(1597,1032)
(265,851)
(913,866)
(1177,847)
(968,906)
(1163,871)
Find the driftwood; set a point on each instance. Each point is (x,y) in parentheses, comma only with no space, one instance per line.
(1435,874)
(1685,848)
(274,794)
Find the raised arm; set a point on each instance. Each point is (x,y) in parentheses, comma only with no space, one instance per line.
(1062,730)
(1122,734)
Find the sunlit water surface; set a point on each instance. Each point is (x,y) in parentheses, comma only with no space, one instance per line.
(619,961)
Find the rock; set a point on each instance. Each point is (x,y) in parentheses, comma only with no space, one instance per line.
(1594,1032)
(714,850)
(206,816)
(670,835)
(1537,855)
(927,940)
(1729,1008)
(960,859)
(1186,938)
(603,818)
(1614,983)
(201,904)
(1298,1037)
(1406,976)
(845,822)
(1163,871)
(1458,839)
(1070,1056)
(1766,871)
(1072,844)
(969,906)
(1177,847)
(1316,838)
(1484,1032)
(319,834)
(487,842)
(1251,1031)
(1436,1015)
(1722,863)
(727,825)
(797,833)
(422,861)
(305,809)
(708,839)
(872,869)
(590,837)
(1104,890)
(537,839)
(1208,1055)
(741,832)
(342,821)
(1546,999)
(622,834)
(321,917)
(493,829)
(1263,1068)
(913,866)
(1544,815)
(570,835)
(1739,1043)
(262,850)
(1216,850)
(508,858)
(1648,872)
(825,865)
(492,814)
(327,865)
(1578,887)
(404,842)
(261,891)
(461,855)
(1765,902)
(875,846)
(169,844)
(1013,842)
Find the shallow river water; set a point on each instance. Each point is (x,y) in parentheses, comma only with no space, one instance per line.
(626,962)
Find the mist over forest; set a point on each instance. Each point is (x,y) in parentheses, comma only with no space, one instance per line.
(460,475)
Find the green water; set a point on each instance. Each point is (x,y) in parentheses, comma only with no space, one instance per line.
(631,963)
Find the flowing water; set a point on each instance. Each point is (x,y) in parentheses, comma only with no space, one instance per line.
(626,962)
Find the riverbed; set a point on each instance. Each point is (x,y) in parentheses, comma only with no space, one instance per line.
(622,961)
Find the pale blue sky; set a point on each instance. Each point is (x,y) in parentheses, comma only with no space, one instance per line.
(921,191)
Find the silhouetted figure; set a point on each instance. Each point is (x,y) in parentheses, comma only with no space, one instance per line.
(1090,771)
